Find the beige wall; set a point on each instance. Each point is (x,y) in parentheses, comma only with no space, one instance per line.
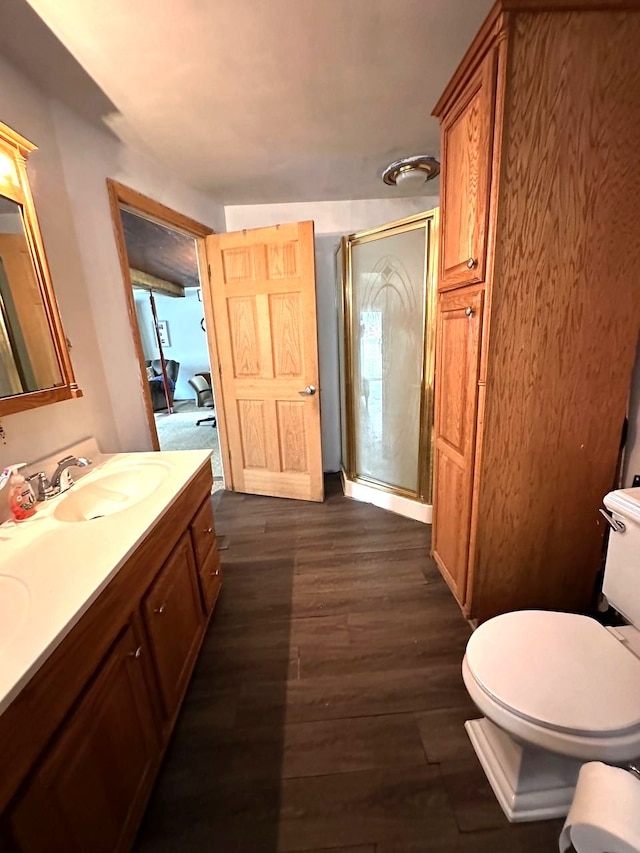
(31,435)
(68,174)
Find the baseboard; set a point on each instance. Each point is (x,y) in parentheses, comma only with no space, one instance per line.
(394,503)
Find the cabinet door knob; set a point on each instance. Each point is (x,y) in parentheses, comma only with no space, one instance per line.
(469,311)
(472,263)
(208,530)
(160,610)
(137,653)
(216,573)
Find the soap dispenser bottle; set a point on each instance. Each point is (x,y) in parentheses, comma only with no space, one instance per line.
(22,501)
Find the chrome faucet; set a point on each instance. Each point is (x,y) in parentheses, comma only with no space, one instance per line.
(61,480)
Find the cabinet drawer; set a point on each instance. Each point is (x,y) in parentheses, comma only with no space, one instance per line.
(203,532)
(210,580)
(174,620)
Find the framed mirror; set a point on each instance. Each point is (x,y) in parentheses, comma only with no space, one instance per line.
(35,368)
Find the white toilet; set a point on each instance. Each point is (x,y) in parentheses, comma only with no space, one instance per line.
(558,689)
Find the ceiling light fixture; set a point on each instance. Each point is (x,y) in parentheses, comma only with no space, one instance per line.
(411,173)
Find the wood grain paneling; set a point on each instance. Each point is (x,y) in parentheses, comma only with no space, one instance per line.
(253,432)
(292,430)
(245,344)
(566,308)
(286,331)
(238,264)
(467,136)
(282,260)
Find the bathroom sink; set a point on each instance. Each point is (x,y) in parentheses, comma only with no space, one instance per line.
(14,603)
(111,492)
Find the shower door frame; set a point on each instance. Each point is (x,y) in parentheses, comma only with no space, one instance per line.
(429,221)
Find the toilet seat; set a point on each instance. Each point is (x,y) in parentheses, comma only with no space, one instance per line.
(560,681)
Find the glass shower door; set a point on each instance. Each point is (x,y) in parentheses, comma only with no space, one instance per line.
(390,358)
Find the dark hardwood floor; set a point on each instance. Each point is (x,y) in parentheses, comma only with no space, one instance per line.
(326,711)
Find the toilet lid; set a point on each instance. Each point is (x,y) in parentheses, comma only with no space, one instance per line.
(558,670)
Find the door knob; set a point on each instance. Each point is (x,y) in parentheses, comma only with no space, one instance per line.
(471,263)
(309,391)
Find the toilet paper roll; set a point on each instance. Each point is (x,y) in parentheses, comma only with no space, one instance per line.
(605,813)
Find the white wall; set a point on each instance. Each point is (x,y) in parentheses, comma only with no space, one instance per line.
(68,175)
(89,157)
(330,217)
(333,219)
(188,343)
(39,432)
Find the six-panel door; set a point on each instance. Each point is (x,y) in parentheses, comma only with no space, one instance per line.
(263,295)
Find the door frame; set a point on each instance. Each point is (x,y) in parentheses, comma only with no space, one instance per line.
(123,196)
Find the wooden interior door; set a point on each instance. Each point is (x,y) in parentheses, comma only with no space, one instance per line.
(456,405)
(264,306)
(467,136)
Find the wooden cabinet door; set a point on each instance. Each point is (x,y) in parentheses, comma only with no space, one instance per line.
(459,325)
(174,620)
(88,792)
(467,142)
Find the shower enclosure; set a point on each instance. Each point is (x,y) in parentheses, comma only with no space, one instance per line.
(387,363)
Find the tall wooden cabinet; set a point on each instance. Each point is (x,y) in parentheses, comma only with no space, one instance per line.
(539,300)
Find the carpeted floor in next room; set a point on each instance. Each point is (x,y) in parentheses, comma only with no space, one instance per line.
(326,710)
(179,432)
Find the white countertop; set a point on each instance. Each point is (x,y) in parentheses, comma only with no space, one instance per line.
(62,566)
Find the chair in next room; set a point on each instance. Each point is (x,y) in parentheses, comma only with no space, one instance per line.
(204,397)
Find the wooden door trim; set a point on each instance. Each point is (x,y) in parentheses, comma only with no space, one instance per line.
(121,195)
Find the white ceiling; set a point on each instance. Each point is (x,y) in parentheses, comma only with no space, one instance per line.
(257,101)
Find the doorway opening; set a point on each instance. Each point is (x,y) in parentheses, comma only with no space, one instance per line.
(162,257)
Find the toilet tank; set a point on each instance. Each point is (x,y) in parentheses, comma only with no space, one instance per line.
(622,567)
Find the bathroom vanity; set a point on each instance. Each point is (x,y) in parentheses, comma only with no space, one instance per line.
(118,580)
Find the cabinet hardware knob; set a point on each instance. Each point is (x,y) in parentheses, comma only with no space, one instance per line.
(615,525)
(160,610)
(216,573)
(137,653)
(469,311)
(208,530)
(472,263)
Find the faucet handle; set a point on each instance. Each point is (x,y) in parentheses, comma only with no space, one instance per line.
(41,486)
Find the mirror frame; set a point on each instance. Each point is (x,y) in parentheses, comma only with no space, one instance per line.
(14,185)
